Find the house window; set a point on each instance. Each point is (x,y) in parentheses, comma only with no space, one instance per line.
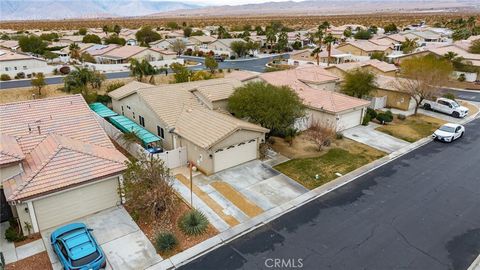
(24,67)
(133,115)
(15,68)
(123,113)
(6,69)
(141,120)
(160,132)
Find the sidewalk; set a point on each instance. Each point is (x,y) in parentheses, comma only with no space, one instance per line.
(12,253)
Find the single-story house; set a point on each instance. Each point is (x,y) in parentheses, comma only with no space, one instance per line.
(57,164)
(166,44)
(191,115)
(9,44)
(12,63)
(316,86)
(98,50)
(201,41)
(123,55)
(373,65)
(222,46)
(305,57)
(388,87)
(363,48)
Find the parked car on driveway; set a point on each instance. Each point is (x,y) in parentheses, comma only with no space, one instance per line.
(447,106)
(449,132)
(76,248)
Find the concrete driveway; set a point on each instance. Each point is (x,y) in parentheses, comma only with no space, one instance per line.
(124,244)
(259,183)
(376,139)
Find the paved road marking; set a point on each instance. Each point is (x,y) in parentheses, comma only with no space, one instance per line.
(232,221)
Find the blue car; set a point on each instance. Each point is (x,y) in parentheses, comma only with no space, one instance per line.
(76,248)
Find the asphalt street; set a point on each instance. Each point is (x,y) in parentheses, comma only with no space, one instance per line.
(254,64)
(420,211)
(465,95)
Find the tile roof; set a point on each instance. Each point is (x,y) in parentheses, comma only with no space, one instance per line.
(128,89)
(11,56)
(219,126)
(382,66)
(366,45)
(306,74)
(10,150)
(62,143)
(59,162)
(203,39)
(168,100)
(125,52)
(456,49)
(218,91)
(100,49)
(241,75)
(314,98)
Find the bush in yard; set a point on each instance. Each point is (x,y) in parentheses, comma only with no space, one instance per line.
(165,241)
(366,119)
(5,77)
(148,188)
(401,117)
(461,78)
(12,235)
(114,85)
(384,117)
(193,223)
(339,136)
(322,134)
(372,113)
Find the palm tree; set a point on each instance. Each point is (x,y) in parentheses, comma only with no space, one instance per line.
(409,45)
(329,39)
(316,53)
(142,69)
(74,51)
(271,37)
(450,56)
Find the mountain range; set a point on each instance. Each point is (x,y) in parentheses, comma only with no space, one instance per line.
(86,9)
(62,9)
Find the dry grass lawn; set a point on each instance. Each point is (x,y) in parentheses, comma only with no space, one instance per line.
(413,128)
(343,156)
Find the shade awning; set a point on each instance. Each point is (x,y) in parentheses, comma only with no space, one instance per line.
(127,125)
(102,110)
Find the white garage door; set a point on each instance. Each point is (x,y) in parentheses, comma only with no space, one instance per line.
(77,203)
(234,155)
(350,119)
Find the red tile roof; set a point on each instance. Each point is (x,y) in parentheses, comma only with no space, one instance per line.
(10,150)
(62,143)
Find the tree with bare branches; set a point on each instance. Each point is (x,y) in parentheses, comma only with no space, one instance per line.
(147,187)
(423,77)
(322,134)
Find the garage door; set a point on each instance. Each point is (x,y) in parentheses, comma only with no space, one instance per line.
(77,203)
(234,155)
(349,120)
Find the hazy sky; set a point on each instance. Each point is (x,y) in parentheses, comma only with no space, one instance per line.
(232,2)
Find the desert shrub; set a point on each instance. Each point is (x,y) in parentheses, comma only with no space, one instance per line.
(12,235)
(232,57)
(165,241)
(114,85)
(105,99)
(5,77)
(372,113)
(193,223)
(20,75)
(366,119)
(449,96)
(322,134)
(401,117)
(339,136)
(461,78)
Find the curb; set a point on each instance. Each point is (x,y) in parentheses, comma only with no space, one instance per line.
(241,229)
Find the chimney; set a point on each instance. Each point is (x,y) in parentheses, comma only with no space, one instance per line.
(39,130)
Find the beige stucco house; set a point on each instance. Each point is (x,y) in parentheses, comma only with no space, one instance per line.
(56,162)
(193,115)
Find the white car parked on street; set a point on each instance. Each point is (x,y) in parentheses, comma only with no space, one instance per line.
(449,132)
